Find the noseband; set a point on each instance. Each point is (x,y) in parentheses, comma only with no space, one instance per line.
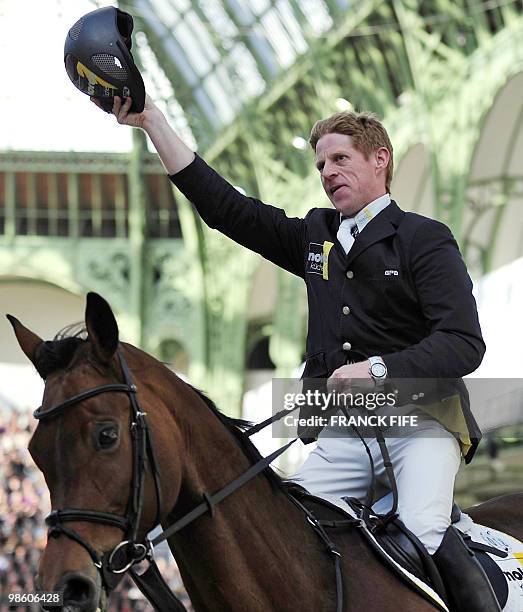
(129,551)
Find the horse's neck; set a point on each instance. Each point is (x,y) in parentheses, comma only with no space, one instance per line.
(258,552)
(240,557)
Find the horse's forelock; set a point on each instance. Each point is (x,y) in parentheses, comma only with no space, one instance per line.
(55,355)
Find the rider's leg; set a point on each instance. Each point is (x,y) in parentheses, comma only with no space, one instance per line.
(338,466)
(425,464)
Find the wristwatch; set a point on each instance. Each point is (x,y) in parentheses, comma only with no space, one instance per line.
(378,369)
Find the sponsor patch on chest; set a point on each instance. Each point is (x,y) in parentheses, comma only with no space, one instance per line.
(318,258)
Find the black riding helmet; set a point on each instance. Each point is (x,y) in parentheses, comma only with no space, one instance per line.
(98,58)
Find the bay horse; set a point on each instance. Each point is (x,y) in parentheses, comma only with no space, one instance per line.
(254,552)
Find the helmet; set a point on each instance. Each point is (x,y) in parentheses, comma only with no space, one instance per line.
(98,60)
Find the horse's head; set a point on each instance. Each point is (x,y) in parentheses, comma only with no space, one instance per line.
(92,444)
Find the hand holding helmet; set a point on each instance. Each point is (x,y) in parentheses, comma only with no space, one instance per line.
(122,110)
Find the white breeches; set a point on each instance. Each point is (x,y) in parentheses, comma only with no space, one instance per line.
(425,465)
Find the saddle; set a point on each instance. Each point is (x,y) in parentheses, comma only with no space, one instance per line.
(394,544)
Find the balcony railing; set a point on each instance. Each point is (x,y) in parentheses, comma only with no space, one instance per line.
(82,205)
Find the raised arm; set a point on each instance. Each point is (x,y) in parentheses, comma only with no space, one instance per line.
(258,226)
(173,152)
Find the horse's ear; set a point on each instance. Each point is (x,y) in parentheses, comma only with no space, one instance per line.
(101,327)
(29,342)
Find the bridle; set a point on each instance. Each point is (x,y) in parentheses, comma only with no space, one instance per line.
(129,551)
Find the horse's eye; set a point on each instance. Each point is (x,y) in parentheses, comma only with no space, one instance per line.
(107,436)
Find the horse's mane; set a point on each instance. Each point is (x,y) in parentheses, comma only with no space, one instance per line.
(237,428)
(57,354)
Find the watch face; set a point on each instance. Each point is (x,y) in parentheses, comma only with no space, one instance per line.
(378,370)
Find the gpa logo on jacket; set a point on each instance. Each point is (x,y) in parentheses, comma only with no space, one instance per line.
(318,258)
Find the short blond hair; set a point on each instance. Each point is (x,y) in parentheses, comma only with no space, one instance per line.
(365,129)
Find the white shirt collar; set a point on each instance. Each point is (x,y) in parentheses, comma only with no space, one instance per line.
(370,211)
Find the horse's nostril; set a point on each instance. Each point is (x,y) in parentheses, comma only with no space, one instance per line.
(79,593)
(78,590)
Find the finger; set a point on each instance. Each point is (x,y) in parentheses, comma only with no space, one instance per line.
(117,104)
(335,383)
(95,101)
(331,385)
(124,110)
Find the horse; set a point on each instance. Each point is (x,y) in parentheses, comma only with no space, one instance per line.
(253,551)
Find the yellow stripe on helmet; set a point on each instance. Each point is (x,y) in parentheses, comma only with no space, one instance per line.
(93,78)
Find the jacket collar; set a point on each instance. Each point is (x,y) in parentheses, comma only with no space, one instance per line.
(366,214)
(380,227)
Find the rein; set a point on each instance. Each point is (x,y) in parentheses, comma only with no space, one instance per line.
(129,551)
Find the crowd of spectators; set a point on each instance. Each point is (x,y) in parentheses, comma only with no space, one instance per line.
(24,503)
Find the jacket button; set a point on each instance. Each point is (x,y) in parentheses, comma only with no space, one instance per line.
(349,274)
(346,310)
(347,346)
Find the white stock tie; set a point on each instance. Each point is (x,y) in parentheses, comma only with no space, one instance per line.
(347,232)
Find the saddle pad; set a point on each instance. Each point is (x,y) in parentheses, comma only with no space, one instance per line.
(509,585)
(418,585)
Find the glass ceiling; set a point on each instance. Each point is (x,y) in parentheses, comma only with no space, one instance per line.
(226,51)
(216,53)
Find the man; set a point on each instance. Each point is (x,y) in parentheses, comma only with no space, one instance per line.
(389,297)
